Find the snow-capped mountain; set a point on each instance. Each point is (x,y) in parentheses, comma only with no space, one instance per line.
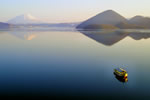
(24,19)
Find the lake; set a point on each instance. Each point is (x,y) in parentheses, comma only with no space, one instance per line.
(74,64)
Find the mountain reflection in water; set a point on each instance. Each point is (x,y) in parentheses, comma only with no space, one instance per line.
(69,64)
(111,37)
(24,35)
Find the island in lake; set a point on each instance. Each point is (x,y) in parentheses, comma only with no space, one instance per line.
(112,20)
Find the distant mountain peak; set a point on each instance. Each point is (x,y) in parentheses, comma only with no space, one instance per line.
(29,16)
(109,11)
(24,19)
(106,17)
(140,20)
(137,17)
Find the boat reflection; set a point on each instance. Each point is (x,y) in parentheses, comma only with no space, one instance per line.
(112,37)
(124,80)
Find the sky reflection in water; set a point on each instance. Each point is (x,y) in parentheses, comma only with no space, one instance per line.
(73,63)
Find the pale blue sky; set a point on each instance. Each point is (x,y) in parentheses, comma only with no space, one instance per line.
(71,10)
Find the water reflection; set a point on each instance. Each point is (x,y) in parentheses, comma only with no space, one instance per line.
(112,37)
(121,79)
(124,80)
(105,37)
(56,63)
(24,35)
(139,36)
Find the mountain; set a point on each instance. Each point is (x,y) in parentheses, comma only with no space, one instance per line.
(24,19)
(140,20)
(108,17)
(100,26)
(4,25)
(124,25)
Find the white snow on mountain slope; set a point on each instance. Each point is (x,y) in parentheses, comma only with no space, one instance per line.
(24,19)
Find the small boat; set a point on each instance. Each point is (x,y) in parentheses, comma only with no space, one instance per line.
(119,72)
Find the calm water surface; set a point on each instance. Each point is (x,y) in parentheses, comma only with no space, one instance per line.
(74,64)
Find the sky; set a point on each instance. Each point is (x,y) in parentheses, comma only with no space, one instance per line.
(71,10)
